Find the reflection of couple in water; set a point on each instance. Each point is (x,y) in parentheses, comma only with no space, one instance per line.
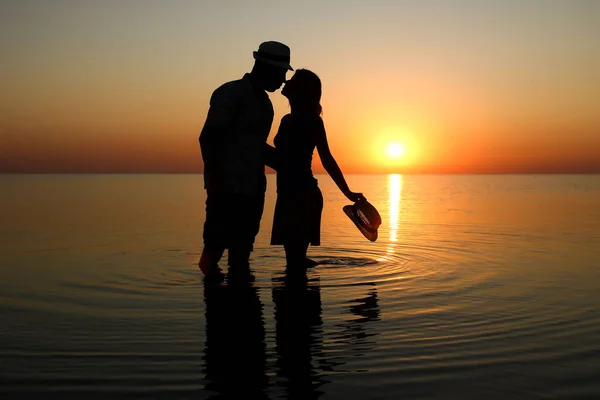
(236,361)
(236,357)
(234,150)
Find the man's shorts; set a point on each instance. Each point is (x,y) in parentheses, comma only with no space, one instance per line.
(232,221)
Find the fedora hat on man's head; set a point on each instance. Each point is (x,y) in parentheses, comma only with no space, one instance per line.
(274,53)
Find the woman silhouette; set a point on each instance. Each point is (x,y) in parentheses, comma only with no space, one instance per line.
(297,220)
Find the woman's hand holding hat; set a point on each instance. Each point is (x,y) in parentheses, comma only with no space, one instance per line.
(355,196)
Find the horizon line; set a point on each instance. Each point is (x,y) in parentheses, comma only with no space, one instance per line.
(316,174)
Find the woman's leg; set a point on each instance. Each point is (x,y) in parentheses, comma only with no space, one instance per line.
(295,254)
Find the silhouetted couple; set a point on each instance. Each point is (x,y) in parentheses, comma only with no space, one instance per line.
(235,152)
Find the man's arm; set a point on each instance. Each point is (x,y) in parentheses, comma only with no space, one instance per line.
(209,145)
(270,156)
(270,153)
(213,136)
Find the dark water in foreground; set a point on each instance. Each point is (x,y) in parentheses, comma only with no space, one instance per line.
(478,287)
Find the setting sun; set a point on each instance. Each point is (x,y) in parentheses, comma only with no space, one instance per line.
(395,150)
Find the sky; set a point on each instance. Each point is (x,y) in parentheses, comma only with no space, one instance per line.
(456,86)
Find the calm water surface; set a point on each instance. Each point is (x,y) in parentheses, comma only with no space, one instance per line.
(478,287)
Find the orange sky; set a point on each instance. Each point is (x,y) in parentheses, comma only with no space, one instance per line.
(464,86)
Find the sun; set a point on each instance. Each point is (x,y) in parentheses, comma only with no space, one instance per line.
(395,150)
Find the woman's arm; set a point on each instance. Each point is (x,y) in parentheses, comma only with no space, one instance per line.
(331,165)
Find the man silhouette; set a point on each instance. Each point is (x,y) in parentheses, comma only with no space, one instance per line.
(234,150)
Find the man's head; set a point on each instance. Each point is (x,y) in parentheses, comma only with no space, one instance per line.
(271,65)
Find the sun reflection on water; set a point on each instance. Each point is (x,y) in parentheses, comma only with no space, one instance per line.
(395,197)
(395,187)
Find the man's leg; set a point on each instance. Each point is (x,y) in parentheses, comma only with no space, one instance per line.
(213,236)
(239,266)
(248,222)
(209,260)
(238,258)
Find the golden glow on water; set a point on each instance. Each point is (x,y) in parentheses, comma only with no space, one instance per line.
(395,198)
(464,261)
(395,181)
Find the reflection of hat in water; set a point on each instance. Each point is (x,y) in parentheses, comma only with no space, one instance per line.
(274,53)
(365,217)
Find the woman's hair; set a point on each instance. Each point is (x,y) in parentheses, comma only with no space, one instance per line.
(307,94)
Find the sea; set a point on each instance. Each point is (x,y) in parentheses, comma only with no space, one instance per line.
(478,287)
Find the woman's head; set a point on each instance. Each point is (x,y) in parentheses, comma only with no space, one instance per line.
(303,91)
